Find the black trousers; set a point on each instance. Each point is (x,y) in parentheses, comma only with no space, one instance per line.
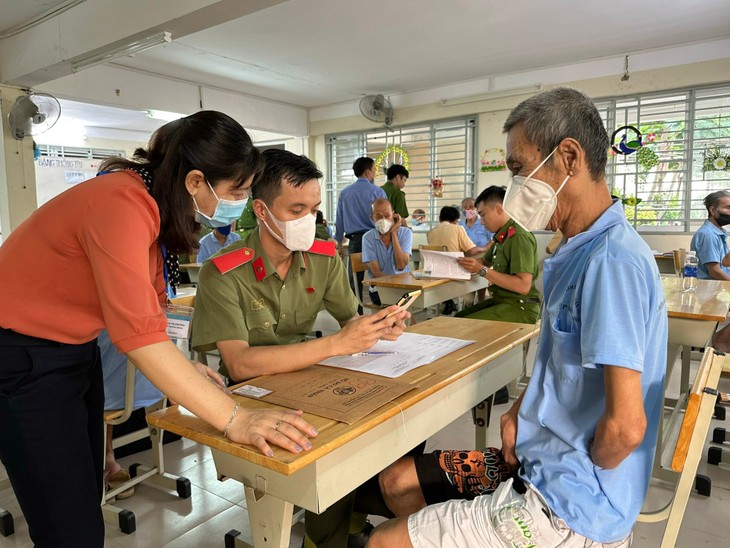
(51,441)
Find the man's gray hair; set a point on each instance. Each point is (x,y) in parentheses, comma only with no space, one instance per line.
(713,199)
(551,116)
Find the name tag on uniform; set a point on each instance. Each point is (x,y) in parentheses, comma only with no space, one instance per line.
(179,319)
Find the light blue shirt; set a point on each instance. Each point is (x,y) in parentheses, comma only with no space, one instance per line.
(354,208)
(710,244)
(209,246)
(604,306)
(373,249)
(478,233)
(114,369)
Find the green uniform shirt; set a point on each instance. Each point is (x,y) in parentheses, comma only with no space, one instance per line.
(514,254)
(235,306)
(397,199)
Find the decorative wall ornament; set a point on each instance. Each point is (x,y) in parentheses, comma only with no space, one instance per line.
(394,154)
(437,187)
(493,159)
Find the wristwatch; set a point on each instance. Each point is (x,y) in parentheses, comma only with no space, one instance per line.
(483,271)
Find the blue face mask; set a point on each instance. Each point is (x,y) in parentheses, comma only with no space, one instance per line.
(226,211)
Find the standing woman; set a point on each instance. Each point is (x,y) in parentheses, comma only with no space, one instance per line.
(97,256)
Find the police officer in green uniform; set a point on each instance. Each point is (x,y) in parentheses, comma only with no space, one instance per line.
(397,177)
(257,301)
(509,265)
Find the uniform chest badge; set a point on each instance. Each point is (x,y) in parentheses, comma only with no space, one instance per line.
(258,304)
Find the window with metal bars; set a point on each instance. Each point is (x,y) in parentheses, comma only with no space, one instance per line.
(444,150)
(685,155)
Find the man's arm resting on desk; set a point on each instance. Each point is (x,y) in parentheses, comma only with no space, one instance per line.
(715,270)
(358,334)
(622,427)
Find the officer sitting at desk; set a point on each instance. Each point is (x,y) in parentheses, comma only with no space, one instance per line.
(510,265)
(257,301)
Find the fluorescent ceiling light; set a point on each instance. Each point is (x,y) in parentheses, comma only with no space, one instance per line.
(491,95)
(164,115)
(120,50)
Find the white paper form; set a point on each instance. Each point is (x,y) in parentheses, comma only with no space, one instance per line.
(410,351)
(442,264)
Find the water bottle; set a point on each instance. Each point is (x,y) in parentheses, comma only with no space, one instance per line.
(689,273)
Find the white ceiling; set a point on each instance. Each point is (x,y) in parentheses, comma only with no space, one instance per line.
(318,52)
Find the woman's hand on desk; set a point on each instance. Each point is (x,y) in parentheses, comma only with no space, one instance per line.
(362,332)
(261,427)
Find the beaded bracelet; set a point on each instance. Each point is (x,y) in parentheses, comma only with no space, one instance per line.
(230,421)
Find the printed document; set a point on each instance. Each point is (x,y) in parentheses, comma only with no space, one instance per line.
(394,358)
(442,264)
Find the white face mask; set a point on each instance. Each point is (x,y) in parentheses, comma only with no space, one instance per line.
(531,202)
(383,225)
(296,235)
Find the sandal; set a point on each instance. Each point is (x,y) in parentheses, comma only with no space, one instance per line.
(117,480)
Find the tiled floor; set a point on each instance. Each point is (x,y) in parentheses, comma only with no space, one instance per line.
(216,507)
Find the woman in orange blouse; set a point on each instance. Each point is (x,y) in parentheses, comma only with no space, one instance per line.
(97,256)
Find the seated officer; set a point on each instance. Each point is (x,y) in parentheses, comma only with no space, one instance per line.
(257,302)
(386,249)
(510,265)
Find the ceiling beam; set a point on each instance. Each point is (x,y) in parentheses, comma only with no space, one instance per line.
(48,51)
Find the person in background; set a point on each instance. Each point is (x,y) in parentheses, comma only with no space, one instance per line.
(322,230)
(451,234)
(582,436)
(114,367)
(710,240)
(510,265)
(217,239)
(257,303)
(710,245)
(475,229)
(387,248)
(112,240)
(418,221)
(354,207)
(397,178)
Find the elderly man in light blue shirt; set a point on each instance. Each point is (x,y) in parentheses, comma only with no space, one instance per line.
(582,436)
(475,229)
(710,241)
(387,248)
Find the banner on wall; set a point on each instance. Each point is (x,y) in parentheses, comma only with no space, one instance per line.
(56,175)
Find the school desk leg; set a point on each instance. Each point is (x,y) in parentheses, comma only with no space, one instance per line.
(270,518)
(481,414)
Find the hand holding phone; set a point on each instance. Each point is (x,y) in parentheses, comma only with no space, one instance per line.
(406,301)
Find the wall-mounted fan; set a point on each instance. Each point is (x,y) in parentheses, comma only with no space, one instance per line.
(33,114)
(377,108)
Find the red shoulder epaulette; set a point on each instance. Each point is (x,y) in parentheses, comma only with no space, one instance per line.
(228,261)
(323,247)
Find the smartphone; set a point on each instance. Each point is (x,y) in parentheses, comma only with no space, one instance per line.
(406,301)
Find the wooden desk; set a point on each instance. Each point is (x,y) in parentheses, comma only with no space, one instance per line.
(693,318)
(434,290)
(345,456)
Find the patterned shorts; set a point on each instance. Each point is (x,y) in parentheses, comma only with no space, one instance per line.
(445,475)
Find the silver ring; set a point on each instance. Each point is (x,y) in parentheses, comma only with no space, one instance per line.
(278,424)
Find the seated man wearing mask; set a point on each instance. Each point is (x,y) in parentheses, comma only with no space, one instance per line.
(710,245)
(257,302)
(475,229)
(386,249)
(582,436)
